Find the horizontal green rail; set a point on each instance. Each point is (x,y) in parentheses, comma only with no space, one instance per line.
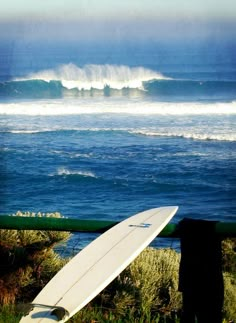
(224,229)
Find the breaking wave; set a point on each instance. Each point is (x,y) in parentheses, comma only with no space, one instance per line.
(113,80)
(96,76)
(188,135)
(67,172)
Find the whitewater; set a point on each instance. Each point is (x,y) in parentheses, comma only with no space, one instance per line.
(117,106)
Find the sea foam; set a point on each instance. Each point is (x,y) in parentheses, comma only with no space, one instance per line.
(187,135)
(87,106)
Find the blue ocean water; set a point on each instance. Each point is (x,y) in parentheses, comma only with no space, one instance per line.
(98,136)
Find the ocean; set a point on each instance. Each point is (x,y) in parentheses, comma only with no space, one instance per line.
(104,133)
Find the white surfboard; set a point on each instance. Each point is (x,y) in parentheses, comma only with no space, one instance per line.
(93,268)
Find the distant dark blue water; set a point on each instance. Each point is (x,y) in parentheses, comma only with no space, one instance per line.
(104,141)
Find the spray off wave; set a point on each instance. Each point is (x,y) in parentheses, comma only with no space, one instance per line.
(96,76)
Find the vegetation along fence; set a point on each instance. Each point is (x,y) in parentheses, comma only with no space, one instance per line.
(25,269)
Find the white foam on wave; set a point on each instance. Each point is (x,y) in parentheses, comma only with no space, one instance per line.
(24,131)
(91,106)
(209,134)
(188,135)
(97,76)
(67,172)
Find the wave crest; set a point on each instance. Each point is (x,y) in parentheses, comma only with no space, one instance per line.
(97,76)
(67,172)
(187,135)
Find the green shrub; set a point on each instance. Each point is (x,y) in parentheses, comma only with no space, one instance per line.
(146,290)
(229,268)
(155,277)
(229,255)
(229,308)
(25,257)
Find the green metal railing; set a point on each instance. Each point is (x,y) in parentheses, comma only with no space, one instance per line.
(223,229)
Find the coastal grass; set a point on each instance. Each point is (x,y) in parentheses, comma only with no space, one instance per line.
(28,260)
(147,291)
